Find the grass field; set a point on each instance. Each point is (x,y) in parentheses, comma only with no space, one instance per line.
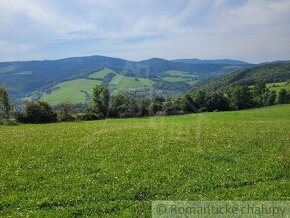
(23,73)
(278,86)
(125,82)
(179,76)
(117,167)
(74,91)
(179,73)
(7,69)
(101,74)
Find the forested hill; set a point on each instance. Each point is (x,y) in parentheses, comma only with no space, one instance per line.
(60,80)
(268,73)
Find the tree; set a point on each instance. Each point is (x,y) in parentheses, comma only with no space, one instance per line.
(37,112)
(270,98)
(5,107)
(282,96)
(101,98)
(200,99)
(240,97)
(66,109)
(260,94)
(188,105)
(124,106)
(217,102)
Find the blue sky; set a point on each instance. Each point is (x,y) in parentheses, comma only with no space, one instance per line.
(250,30)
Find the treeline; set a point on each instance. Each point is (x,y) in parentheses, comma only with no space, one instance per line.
(105,106)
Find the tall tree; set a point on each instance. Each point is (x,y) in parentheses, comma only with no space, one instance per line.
(260,94)
(240,97)
(101,99)
(5,106)
(282,96)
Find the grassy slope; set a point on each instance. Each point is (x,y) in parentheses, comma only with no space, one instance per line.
(7,69)
(179,73)
(101,74)
(278,86)
(117,167)
(23,73)
(268,73)
(179,76)
(72,91)
(125,82)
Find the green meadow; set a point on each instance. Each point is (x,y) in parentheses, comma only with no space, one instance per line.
(74,91)
(101,74)
(7,69)
(126,82)
(78,91)
(116,168)
(278,86)
(179,76)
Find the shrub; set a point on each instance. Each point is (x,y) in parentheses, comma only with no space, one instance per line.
(66,111)
(37,112)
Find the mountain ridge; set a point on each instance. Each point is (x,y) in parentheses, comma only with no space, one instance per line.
(167,78)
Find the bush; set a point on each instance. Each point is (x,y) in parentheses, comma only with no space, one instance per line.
(37,112)
(66,111)
(8,122)
(90,114)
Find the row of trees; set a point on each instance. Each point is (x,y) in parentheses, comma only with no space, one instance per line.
(121,106)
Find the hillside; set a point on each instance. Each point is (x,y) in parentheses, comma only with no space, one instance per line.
(268,73)
(116,168)
(37,79)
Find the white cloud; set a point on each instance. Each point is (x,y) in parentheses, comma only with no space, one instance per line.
(251,30)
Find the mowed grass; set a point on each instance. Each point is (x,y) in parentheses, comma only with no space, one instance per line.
(74,91)
(101,74)
(116,168)
(278,86)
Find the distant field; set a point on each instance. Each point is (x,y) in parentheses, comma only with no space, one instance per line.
(179,73)
(23,73)
(7,69)
(77,91)
(179,76)
(278,86)
(116,168)
(175,79)
(125,82)
(101,74)
(74,91)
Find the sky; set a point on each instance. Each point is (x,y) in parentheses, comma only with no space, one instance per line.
(250,30)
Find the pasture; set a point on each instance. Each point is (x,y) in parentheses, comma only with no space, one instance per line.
(116,168)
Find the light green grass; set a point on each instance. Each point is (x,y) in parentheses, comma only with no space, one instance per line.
(76,91)
(23,73)
(7,69)
(116,168)
(232,67)
(125,82)
(101,74)
(174,79)
(73,91)
(278,86)
(178,73)
(179,76)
